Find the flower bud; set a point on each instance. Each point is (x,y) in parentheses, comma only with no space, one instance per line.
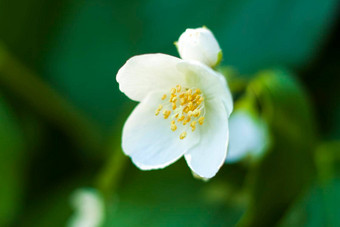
(199,44)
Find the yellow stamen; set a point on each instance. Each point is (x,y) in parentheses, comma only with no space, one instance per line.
(183,135)
(196,113)
(190,113)
(183,101)
(201,120)
(166,113)
(193,124)
(173,127)
(174,106)
(174,99)
(189,92)
(184,105)
(190,105)
(178,88)
(181,118)
(186,109)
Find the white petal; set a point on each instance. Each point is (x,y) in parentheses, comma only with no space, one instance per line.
(89,208)
(200,45)
(206,158)
(212,83)
(144,73)
(148,139)
(248,136)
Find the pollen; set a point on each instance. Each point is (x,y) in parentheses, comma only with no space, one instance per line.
(183,135)
(166,113)
(173,126)
(201,120)
(184,105)
(178,88)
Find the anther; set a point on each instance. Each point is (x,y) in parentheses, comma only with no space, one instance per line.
(190,113)
(196,113)
(193,124)
(181,118)
(173,127)
(174,99)
(166,113)
(164,97)
(190,105)
(198,91)
(173,106)
(178,87)
(183,101)
(183,135)
(173,90)
(201,120)
(186,109)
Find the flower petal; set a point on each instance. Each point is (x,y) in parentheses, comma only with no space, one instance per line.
(248,136)
(206,158)
(211,82)
(199,44)
(144,73)
(148,139)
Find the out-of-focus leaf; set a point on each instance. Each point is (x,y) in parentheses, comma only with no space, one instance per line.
(172,197)
(320,205)
(288,168)
(253,34)
(33,92)
(25,25)
(11,164)
(53,208)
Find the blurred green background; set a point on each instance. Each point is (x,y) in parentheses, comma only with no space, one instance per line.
(61,112)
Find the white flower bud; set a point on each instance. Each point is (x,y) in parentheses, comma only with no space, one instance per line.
(199,44)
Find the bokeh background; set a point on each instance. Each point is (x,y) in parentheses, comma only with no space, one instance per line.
(61,112)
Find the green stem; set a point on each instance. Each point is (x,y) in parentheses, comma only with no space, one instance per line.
(46,102)
(111,173)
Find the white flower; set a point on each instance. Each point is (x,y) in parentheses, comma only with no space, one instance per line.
(248,136)
(200,45)
(183,111)
(89,209)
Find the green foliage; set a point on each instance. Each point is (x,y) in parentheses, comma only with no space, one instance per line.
(11,164)
(319,205)
(288,168)
(172,197)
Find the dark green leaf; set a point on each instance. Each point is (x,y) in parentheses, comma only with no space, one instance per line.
(11,164)
(288,167)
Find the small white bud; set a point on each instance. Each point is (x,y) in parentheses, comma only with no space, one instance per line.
(199,44)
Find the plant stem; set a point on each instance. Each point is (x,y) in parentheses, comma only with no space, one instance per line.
(46,102)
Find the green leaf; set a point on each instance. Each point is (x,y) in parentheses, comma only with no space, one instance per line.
(172,197)
(319,206)
(11,164)
(288,167)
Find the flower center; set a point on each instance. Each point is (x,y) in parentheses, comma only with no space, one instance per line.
(185,107)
